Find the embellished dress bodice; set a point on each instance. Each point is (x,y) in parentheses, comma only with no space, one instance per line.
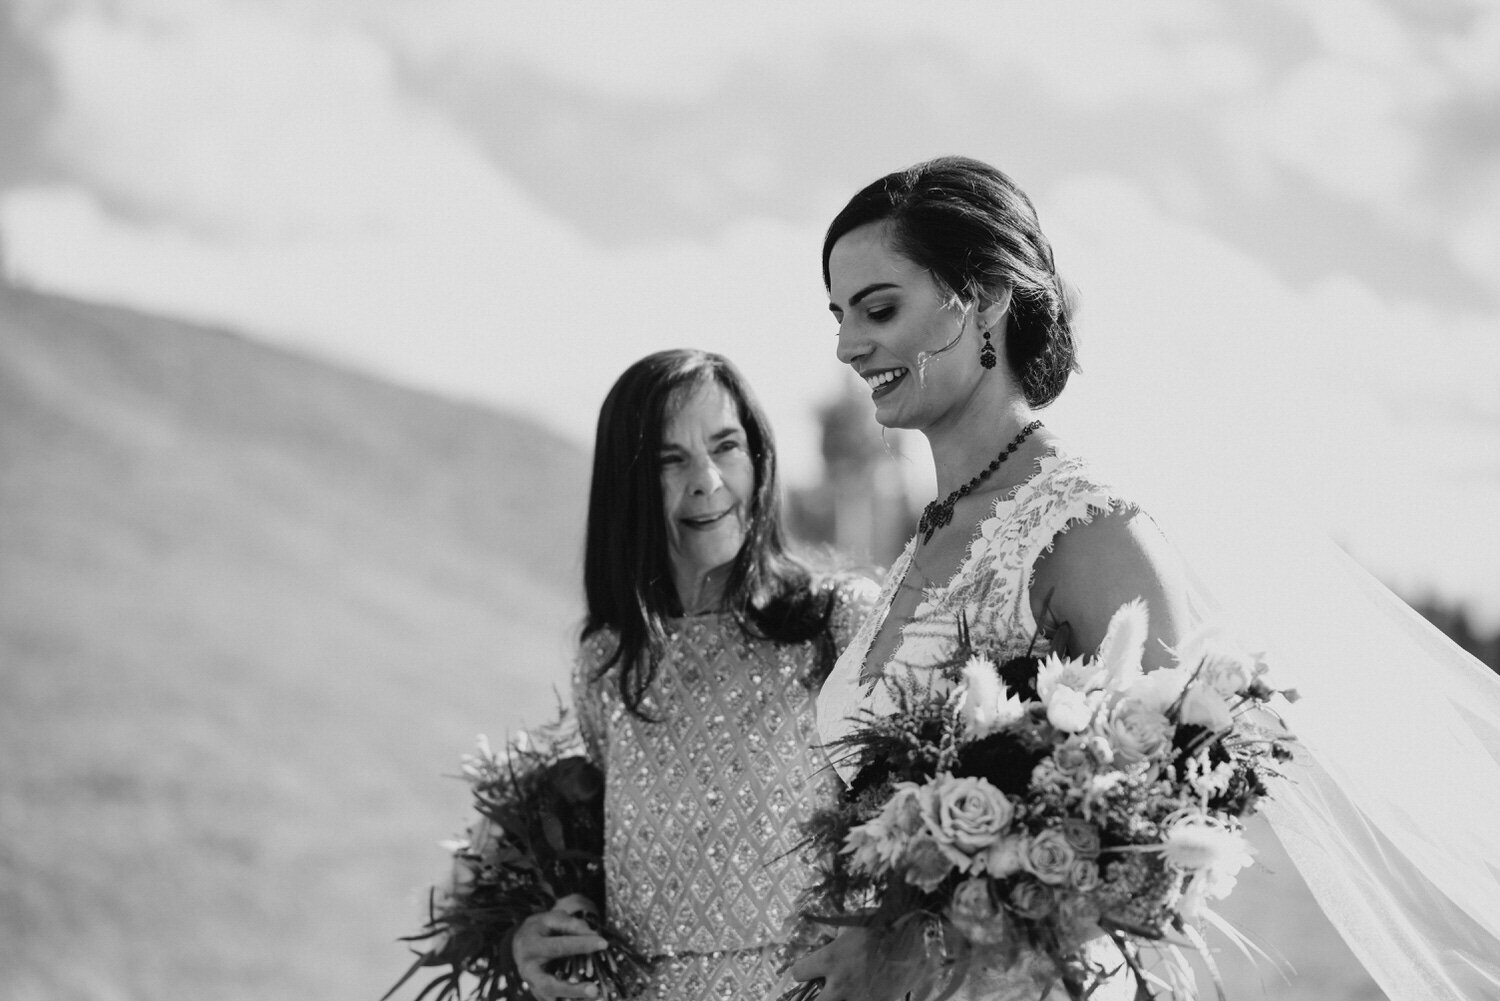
(701,807)
(991,591)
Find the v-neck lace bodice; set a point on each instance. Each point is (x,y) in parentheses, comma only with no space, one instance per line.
(991,590)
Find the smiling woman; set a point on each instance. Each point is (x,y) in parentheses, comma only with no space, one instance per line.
(702,653)
(707,485)
(950,308)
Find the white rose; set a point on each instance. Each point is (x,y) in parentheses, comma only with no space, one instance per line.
(1069,710)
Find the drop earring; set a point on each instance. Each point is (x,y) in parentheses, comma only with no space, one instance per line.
(987,351)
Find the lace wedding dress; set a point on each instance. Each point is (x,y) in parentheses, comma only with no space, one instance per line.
(991,590)
(701,808)
(1391,812)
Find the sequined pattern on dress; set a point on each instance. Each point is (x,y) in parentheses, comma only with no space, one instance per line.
(701,808)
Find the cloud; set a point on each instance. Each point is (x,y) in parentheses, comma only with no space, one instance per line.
(1367,410)
(513,203)
(251,125)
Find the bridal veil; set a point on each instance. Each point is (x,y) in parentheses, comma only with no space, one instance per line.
(1392,814)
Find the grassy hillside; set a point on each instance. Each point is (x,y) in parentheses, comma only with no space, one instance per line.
(252,608)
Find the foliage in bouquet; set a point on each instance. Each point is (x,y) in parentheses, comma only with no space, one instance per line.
(1019,809)
(537,838)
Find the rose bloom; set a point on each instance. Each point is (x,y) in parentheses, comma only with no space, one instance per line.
(1205,707)
(1138,730)
(967,814)
(927,864)
(1084,876)
(1082,836)
(1031,899)
(1069,710)
(974,912)
(1048,856)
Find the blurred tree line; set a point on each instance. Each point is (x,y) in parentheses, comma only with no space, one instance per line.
(863,510)
(1454,620)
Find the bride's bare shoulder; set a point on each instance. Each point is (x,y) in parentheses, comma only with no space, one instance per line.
(1094,566)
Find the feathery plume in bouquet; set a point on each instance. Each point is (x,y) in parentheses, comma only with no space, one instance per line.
(1025,808)
(537,838)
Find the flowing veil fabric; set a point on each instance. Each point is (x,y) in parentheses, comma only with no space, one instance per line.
(1392,814)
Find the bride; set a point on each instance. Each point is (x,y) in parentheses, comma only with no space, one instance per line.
(950,308)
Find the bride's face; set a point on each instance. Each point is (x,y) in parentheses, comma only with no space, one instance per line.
(900,331)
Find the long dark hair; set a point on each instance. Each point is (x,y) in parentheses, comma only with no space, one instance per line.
(975,231)
(627,575)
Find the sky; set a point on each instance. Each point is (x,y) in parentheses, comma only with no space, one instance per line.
(1282,218)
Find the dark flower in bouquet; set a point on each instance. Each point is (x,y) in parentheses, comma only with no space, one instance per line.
(537,839)
(1013,811)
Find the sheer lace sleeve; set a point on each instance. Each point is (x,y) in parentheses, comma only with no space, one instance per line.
(588,701)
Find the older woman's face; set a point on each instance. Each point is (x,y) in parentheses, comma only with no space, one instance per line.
(707,483)
(895,322)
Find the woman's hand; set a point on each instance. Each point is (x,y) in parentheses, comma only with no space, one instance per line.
(848,968)
(542,938)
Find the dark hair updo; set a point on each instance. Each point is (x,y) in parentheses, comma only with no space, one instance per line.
(976,232)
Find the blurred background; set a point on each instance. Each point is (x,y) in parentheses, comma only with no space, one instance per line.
(308,307)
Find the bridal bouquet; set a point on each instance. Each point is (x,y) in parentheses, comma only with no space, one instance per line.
(1006,814)
(538,837)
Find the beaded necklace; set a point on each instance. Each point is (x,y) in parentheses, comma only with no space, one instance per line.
(940,512)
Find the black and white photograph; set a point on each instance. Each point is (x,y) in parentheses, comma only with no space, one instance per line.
(506,500)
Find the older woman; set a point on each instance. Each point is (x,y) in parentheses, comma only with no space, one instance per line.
(703,649)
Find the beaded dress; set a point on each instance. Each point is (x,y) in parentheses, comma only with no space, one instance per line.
(701,808)
(992,589)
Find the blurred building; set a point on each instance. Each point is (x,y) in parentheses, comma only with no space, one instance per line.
(861,507)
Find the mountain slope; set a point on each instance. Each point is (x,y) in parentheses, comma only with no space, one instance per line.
(252,608)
